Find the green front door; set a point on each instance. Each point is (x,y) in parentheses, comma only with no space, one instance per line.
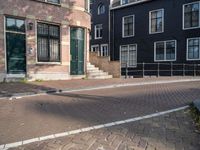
(15,46)
(77,51)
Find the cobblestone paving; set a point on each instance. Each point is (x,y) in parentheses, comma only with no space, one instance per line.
(174,131)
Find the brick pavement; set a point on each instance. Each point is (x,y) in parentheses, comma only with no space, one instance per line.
(8,89)
(44,115)
(174,131)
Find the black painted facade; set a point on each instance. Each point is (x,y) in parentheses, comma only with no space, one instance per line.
(173,30)
(100,19)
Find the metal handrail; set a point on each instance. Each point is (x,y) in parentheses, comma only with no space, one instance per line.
(173,68)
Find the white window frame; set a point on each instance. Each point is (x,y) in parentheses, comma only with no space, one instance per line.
(46,1)
(121,2)
(133,26)
(183,16)
(165,51)
(128,55)
(101,50)
(188,59)
(163,20)
(95,31)
(98,9)
(94,46)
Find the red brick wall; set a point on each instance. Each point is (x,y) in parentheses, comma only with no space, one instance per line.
(112,67)
(69,13)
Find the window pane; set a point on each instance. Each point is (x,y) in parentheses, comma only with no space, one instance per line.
(42,29)
(160,51)
(156,21)
(128,26)
(54,1)
(193,48)
(42,49)
(191,15)
(124,55)
(54,50)
(132,55)
(170,50)
(16,25)
(54,31)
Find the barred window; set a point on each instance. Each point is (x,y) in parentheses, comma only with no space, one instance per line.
(48,43)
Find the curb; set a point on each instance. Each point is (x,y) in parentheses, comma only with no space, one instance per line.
(48,92)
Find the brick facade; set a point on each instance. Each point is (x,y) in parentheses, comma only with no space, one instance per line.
(68,13)
(112,67)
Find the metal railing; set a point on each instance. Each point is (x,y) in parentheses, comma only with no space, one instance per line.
(161,69)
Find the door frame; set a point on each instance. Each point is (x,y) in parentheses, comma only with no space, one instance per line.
(84,51)
(5,47)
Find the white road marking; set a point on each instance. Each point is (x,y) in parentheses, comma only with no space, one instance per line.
(64,134)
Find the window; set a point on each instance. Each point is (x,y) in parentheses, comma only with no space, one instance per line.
(123,2)
(16,25)
(104,50)
(52,1)
(191,15)
(193,49)
(156,21)
(129,55)
(165,50)
(95,48)
(48,43)
(101,9)
(128,26)
(98,31)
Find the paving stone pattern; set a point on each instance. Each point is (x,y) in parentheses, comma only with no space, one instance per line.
(175,131)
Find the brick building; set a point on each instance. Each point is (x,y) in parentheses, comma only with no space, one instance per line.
(44,39)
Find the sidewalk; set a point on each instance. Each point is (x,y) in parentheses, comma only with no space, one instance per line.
(31,88)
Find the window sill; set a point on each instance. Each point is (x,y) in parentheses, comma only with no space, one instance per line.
(128,36)
(55,4)
(193,59)
(164,61)
(98,38)
(191,28)
(151,33)
(48,63)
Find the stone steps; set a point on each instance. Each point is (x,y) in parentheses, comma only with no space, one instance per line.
(95,73)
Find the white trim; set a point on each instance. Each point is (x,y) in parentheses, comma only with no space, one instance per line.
(123,26)
(183,16)
(100,53)
(165,60)
(163,20)
(121,3)
(98,9)
(90,128)
(129,4)
(94,46)
(128,45)
(95,34)
(188,49)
